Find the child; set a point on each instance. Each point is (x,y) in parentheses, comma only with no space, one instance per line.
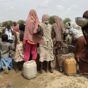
(46,48)
(19,52)
(5,53)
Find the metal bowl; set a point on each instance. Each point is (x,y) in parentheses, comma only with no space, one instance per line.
(81,21)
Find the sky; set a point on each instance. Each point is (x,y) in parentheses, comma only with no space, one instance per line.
(19,9)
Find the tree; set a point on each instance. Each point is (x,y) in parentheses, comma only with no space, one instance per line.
(6,23)
(66,20)
(51,20)
(21,22)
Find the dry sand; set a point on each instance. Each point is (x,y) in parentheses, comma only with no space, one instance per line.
(45,80)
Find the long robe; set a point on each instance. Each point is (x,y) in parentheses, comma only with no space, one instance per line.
(83,62)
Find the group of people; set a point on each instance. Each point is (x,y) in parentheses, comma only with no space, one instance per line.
(21,43)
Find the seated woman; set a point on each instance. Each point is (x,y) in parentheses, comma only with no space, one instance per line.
(5,53)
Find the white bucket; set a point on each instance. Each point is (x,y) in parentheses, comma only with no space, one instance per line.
(30,69)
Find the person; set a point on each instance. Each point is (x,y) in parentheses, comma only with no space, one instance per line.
(22,27)
(57,36)
(67,34)
(30,42)
(19,58)
(16,32)
(85,28)
(46,47)
(83,61)
(9,33)
(15,27)
(79,41)
(5,53)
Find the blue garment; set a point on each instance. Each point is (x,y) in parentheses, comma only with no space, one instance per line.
(6,62)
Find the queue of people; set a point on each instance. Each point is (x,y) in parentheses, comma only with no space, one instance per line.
(20,43)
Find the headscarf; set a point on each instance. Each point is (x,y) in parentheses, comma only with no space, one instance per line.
(45,18)
(31,25)
(59,22)
(58,28)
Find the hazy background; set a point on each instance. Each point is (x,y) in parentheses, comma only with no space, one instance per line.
(19,9)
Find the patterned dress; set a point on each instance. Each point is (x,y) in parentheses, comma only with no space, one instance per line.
(19,53)
(46,49)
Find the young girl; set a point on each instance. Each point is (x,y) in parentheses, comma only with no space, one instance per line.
(46,48)
(19,52)
(30,42)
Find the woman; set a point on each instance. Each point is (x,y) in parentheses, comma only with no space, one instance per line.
(57,35)
(46,48)
(15,27)
(83,62)
(79,41)
(30,42)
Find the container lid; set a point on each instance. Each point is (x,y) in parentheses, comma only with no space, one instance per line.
(29,62)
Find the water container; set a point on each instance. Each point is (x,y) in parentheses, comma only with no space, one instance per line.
(30,69)
(70,66)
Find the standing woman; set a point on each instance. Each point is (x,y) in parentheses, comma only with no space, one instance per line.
(46,48)
(30,43)
(57,36)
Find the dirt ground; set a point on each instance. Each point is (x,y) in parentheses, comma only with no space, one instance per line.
(46,80)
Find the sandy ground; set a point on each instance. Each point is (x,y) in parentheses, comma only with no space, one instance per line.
(46,80)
